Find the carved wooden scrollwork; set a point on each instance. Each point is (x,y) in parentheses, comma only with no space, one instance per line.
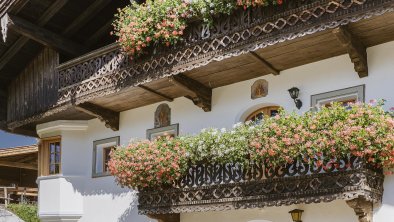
(362,208)
(210,187)
(242,32)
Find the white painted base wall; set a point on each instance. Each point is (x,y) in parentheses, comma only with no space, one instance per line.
(100,199)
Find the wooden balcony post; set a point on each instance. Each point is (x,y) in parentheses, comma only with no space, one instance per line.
(165,217)
(362,208)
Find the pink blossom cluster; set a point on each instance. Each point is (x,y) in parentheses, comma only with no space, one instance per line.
(322,137)
(147,24)
(148,163)
(254,3)
(361,130)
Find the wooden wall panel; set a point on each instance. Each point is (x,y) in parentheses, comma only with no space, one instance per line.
(34,90)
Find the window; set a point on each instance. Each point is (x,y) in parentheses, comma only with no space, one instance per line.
(50,157)
(262,113)
(345,96)
(106,157)
(172,131)
(101,155)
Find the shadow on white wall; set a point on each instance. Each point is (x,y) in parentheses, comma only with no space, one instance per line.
(259,221)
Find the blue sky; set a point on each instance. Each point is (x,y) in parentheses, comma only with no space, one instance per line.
(11,140)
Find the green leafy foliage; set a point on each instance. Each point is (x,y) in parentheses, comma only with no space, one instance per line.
(26,212)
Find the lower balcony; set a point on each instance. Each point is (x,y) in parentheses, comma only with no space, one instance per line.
(217,187)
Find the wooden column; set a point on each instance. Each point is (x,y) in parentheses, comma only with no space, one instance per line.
(362,208)
(165,217)
(5,197)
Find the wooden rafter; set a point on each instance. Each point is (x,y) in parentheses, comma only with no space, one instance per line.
(88,14)
(355,49)
(156,93)
(109,117)
(265,65)
(18,165)
(43,36)
(105,29)
(21,41)
(200,94)
(28,158)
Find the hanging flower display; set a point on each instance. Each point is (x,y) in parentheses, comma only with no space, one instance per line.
(335,132)
(162,22)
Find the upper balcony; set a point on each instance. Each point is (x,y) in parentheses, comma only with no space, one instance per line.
(245,45)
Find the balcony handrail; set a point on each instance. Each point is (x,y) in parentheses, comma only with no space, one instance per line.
(208,187)
(229,36)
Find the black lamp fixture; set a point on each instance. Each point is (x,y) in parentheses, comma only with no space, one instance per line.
(294,95)
(296,215)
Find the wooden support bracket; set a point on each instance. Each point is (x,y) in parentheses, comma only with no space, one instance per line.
(362,208)
(355,49)
(200,94)
(40,35)
(156,93)
(165,217)
(266,65)
(109,117)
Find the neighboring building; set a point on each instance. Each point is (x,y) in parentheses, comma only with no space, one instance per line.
(80,104)
(18,173)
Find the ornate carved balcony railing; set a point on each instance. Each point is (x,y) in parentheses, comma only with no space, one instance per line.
(212,187)
(106,71)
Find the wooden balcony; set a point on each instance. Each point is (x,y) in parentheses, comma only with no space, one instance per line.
(108,71)
(248,44)
(217,187)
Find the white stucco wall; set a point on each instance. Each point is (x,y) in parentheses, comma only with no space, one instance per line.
(103,200)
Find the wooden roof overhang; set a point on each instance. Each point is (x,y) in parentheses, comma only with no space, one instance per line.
(23,157)
(72,28)
(242,46)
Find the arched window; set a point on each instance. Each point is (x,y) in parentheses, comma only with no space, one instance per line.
(260,114)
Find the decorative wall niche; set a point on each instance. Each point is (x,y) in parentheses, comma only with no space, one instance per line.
(162,116)
(259,89)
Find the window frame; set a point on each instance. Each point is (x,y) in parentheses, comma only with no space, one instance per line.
(264,110)
(356,93)
(152,134)
(44,156)
(96,143)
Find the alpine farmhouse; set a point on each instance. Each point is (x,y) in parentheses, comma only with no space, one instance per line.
(65,80)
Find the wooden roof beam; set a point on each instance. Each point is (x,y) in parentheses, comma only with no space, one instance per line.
(156,93)
(42,35)
(355,49)
(21,41)
(18,165)
(105,29)
(265,65)
(200,94)
(86,16)
(109,117)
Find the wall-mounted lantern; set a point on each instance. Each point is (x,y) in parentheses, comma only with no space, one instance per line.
(296,215)
(294,95)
